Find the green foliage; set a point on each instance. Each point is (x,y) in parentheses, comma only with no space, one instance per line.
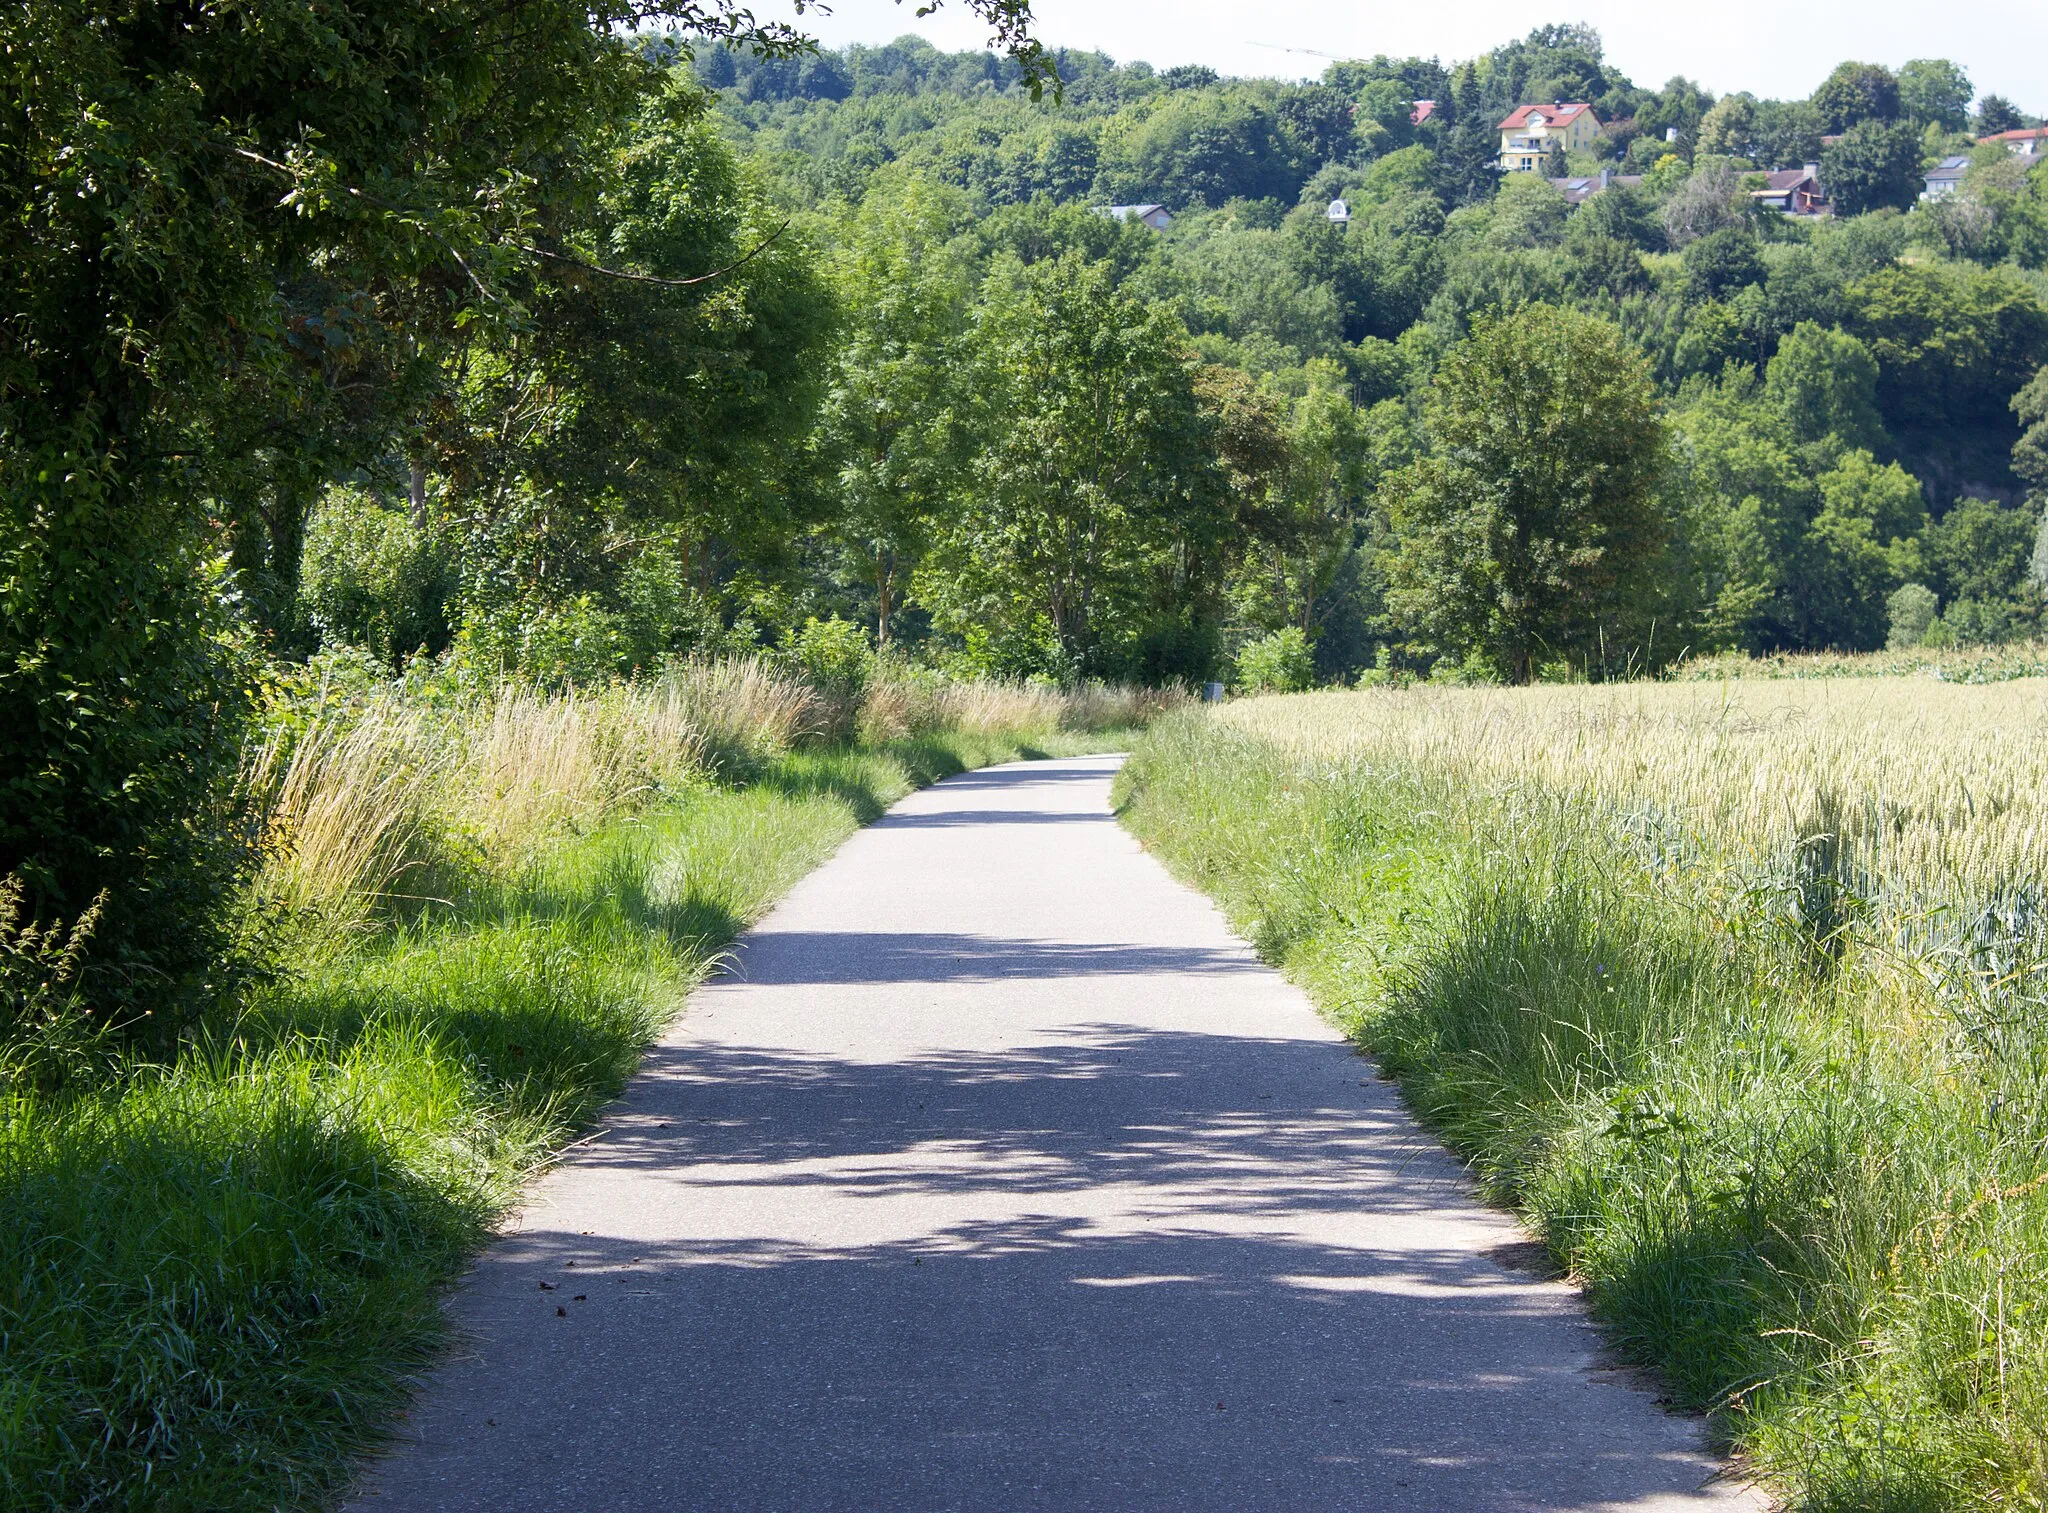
(126,694)
(1981,552)
(1094,477)
(1855,93)
(1530,530)
(1824,384)
(1935,92)
(1951,343)
(1995,114)
(1202,148)
(833,656)
(1875,166)
(1909,614)
(2030,452)
(888,424)
(1722,263)
(374,577)
(1279,663)
(1860,546)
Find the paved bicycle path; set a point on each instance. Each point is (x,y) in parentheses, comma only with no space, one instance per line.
(1002,1176)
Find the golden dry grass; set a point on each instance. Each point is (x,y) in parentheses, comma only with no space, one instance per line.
(899,703)
(369,793)
(1933,791)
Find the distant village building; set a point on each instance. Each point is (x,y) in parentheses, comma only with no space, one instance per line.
(2028,142)
(1158,217)
(1943,180)
(1532,130)
(1578,191)
(1795,191)
(1423,110)
(1339,213)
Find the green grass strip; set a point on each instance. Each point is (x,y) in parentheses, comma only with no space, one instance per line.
(1809,1190)
(215,1277)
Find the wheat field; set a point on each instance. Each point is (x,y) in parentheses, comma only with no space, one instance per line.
(1737,990)
(1930,792)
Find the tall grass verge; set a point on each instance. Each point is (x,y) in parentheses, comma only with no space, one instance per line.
(1773,1086)
(215,1273)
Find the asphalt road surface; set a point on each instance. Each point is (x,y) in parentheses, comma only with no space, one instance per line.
(1001,1175)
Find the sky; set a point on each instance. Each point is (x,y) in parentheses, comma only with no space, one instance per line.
(1769,47)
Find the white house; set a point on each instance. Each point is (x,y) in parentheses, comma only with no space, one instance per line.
(1158,217)
(1944,179)
(2029,142)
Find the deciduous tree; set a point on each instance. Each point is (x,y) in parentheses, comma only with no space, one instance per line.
(1532,527)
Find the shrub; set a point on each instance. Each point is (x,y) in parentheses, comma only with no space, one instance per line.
(834,658)
(123,702)
(1279,663)
(1910,612)
(373,578)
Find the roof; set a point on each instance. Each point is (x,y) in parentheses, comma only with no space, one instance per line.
(1783,179)
(1558,113)
(2024,134)
(1578,191)
(1423,110)
(1949,168)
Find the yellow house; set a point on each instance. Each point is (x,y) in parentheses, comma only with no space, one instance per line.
(1528,134)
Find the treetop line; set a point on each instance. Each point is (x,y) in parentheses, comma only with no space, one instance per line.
(485,339)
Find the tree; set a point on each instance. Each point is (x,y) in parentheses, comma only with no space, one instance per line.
(1531,528)
(889,426)
(625,417)
(1722,263)
(1095,476)
(1875,166)
(1859,547)
(1823,383)
(1995,113)
(1952,344)
(1981,551)
(2030,452)
(1617,213)
(1857,92)
(1935,92)
(205,212)
(1204,148)
(1729,129)
(1709,200)
(1297,478)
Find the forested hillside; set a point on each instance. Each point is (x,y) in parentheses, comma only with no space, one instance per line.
(490,490)
(702,342)
(1839,397)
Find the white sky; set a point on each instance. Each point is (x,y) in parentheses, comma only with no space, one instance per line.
(1769,47)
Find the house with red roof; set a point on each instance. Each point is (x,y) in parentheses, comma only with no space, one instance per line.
(1530,131)
(2030,142)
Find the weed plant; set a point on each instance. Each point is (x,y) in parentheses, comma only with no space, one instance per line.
(1798,1158)
(216,1271)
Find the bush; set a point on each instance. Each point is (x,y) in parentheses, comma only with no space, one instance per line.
(373,578)
(123,701)
(1910,612)
(832,657)
(1279,663)
(556,644)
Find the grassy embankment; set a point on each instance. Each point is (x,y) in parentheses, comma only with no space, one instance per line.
(214,1274)
(1738,991)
